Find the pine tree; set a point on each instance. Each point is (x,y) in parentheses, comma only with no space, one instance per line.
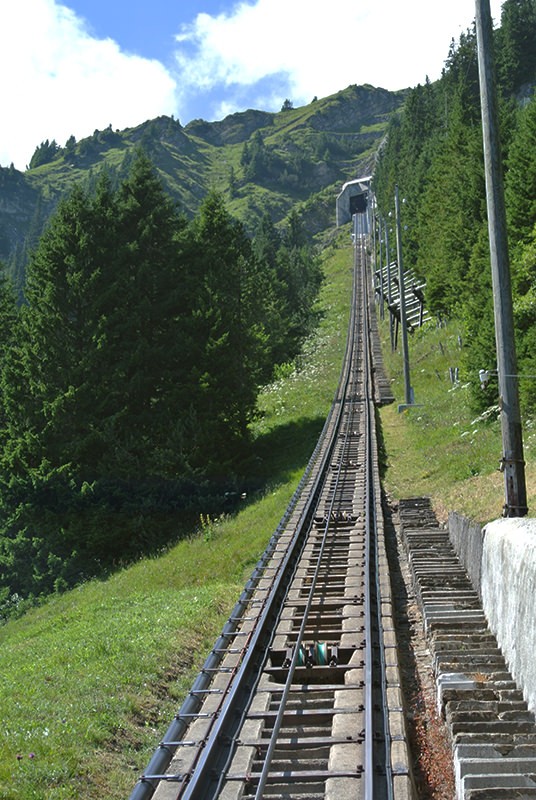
(229,341)
(451,210)
(520,179)
(524,285)
(49,380)
(93,399)
(62,330)
(9,334)
(291,278)
(299,272)
(144,327)
(258,159)
(274,309)
(516,45)
(44,153)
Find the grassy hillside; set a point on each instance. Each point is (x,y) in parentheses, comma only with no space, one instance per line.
(441,448)
(91,680)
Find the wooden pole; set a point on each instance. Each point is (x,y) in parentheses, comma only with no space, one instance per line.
(380,243)
(403,321)
(389,287)
(512,462)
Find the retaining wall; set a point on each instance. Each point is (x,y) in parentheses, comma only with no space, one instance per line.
(500,560)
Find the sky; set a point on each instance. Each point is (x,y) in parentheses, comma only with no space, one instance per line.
(75,66)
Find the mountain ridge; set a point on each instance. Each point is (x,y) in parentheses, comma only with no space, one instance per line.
(260,162)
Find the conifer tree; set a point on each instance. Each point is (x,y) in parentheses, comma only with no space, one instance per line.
(92,398)
(516,40)
(145,338)
(9,334)
(50,403)
(293,278)
(300,273)
(135,361)
(229,341)
(63,328)
(524,284)
(520,180)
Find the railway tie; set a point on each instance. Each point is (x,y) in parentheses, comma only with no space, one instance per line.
(302,696)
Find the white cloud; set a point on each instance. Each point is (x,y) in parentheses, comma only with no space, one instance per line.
(58,80)
(321,47)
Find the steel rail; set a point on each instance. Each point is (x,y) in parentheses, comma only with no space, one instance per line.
(375,492)
(204,777)
(369,537)
(345,378)
(163,755)
(196,786)
(372,489)
(369,703)
(300,636)
(322,454)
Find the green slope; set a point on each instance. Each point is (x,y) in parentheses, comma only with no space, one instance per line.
(92,678)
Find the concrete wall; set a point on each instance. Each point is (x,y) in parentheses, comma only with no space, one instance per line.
(467,538)
(502,559)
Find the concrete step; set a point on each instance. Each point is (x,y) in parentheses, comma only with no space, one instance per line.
(506,787)
(495,707)
(492,730)
(492,768)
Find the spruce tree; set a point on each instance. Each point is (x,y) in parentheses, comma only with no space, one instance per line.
(50,408)
(520,180)
(64,327)
(9,334)
(291,278)
(92,402)
(524,284)
(516,45)
(145,343)
(229,341)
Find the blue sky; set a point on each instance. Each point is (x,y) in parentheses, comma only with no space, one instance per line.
(73,66)
(144,27)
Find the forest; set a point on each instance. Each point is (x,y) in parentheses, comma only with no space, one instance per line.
(132,358)
(129,373)
(434,152)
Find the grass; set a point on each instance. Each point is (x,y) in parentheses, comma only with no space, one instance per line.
(79,677)
(90,680)
(441,447)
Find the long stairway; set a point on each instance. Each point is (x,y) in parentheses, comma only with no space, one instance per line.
(492,731)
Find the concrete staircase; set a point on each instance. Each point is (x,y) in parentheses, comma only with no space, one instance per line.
(492,731)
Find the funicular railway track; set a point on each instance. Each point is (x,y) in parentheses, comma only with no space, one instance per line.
(300,697)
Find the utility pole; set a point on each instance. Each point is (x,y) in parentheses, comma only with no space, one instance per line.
(512,462)
(403,321)
(376,219)
(389,288)
(380,242)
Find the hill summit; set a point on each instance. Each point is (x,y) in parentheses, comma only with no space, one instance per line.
(261,162)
